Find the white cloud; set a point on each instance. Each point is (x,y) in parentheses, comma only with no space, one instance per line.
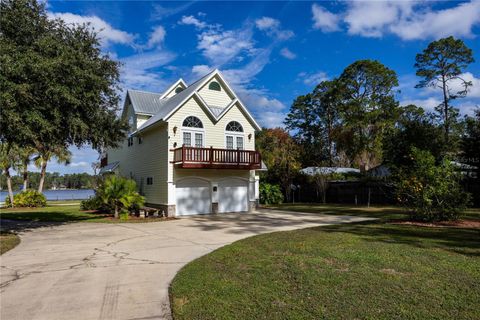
(157,36)
(140,71)
(272,27)
(422,24)
(312,79)
(220,47)
(271,119)
(324,19)
(191,20)
(267,23)
(82,164)
(286,53)
(474,90)
(106,32)
(160,12)
(428,104)
(410,20)
(201,70)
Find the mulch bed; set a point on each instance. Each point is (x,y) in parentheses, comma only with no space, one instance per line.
(463,224)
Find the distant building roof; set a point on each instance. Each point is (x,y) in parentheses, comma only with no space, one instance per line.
(327,170)
(380,171)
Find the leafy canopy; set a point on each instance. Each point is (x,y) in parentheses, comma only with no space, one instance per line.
(56,86)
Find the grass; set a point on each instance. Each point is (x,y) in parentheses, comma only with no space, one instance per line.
(8,241)
(354,271)
(62,212)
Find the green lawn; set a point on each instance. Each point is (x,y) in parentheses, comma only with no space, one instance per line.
(8,241)
(357,271)
(62,212)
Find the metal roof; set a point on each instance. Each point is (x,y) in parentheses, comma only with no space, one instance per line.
(109,167)
(174,102)
(327,170)
(146,102)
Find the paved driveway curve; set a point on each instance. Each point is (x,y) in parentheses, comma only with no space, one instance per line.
(121,271)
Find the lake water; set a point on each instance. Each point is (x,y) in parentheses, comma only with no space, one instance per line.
(79,194)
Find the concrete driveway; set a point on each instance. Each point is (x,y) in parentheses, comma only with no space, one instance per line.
(121,271)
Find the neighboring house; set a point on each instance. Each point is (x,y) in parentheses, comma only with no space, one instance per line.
(311,171)
(191,149)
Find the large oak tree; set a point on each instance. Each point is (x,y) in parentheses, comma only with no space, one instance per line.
(56,86)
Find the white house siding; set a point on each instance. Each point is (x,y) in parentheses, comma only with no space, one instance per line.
(149,159)
(141,119)
(214,132)
(215,98)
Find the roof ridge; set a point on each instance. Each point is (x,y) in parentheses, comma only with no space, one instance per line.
(143,91)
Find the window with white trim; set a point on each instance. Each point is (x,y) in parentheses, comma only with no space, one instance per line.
(187,139)
(193,132)
(234,136)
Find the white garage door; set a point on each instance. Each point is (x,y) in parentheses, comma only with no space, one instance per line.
(233,195)
(192,196)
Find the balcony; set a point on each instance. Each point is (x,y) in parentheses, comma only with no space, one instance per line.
(212,158)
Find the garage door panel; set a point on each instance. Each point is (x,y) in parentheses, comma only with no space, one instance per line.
(192,197)
(233,195)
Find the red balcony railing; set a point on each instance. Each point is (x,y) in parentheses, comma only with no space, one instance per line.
(193,157)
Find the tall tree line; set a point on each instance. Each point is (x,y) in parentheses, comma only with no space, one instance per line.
(356,120)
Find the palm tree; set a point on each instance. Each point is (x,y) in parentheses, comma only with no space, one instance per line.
(118,192)
(9,159)
(61,153)
(25,155)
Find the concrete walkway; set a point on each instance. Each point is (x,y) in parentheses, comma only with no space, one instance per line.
(121,271)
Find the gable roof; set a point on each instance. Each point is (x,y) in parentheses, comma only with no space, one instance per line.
(173,103)
(145,102)
(173,86)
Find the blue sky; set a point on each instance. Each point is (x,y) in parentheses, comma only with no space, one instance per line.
(271,51)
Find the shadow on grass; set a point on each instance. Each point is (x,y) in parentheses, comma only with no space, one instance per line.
(463,241)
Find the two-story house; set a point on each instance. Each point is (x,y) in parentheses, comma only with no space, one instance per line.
(191,149)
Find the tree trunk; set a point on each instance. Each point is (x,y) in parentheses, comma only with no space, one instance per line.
(9,186)
(25,176)
(116,212)
(43,172)
(445,110)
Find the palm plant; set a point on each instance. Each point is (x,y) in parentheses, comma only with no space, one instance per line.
(61,153)
(120,193)
(25,155)
(9,159)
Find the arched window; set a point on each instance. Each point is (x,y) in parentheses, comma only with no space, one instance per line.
(193,133)
(234,126)
(214,86)
(179,89)
(192,122)
(234,135)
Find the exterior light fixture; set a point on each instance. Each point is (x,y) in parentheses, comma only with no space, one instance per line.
(249,136)
(175,130)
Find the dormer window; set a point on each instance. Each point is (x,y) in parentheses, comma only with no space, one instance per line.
(214,86)
(179,89)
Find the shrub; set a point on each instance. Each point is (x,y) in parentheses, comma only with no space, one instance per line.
(119,193)
(28,198)
(432,192)
(270,194)
(92,203)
